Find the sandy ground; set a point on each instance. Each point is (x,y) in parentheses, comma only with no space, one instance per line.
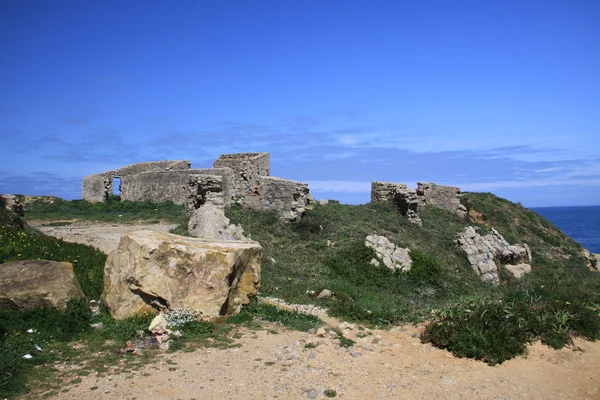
(276,364)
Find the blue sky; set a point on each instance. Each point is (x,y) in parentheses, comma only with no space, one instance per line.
(499,96)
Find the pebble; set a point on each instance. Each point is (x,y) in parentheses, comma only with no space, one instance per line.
(313,394)
(356,354)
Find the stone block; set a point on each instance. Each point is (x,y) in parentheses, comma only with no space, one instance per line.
(152,271)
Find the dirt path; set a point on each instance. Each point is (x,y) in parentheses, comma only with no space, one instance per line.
(277,363)
(385,364)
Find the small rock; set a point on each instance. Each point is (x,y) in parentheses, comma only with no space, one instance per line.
(313,394)
(97,325)
(158,324)
(447,379)
(346,326)
(325,294)
(312,355)
(323,202)
(356,354)
(321,332)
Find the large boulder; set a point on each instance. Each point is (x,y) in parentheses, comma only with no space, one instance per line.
(37,283)
(209,222)
(482,251)
(154,271)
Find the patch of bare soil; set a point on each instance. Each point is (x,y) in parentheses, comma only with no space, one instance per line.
(104,237)
(276,363)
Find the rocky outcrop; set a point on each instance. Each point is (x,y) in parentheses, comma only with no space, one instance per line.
(210,222)
(37,283)
(392,256)
(153,271)
(592,260)
(482,251)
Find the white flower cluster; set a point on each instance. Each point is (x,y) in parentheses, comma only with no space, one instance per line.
(180,316)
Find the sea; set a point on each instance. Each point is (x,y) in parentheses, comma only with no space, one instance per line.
(580,223)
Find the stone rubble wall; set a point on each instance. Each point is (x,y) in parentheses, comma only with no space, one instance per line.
(410,201)
(247,168)
(204,189)
(288,198)
(482,251)
(97,188)
(241,177)
(440,196)
(169,185)
(383,191)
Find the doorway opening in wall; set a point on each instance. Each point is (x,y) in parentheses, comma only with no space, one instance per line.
(116,189)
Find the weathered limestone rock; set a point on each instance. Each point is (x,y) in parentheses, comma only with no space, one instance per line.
(393,257)
(519,270)
(482,250)
(480,255)
(288,198)
(384,191)
(592,260)
(37,283)
(156,271)
(209,222)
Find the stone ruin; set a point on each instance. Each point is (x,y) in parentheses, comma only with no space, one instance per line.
(234,178)
(411,201)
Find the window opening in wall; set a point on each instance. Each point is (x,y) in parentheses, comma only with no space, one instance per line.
(116,188)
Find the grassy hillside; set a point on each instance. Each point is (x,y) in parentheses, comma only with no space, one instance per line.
(559,299)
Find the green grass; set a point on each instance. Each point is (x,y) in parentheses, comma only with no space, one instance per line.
(265,312)
(29,244)
(473,319)
(113,210)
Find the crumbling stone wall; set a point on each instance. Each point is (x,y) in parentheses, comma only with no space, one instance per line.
(242,177)
(247,168)
(410,201)
(171,186)
(98,187)
(204,189)
(288,198)
(383,191)
(444,197)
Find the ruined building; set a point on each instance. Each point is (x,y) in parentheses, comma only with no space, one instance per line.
(243,178)
(410,201)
